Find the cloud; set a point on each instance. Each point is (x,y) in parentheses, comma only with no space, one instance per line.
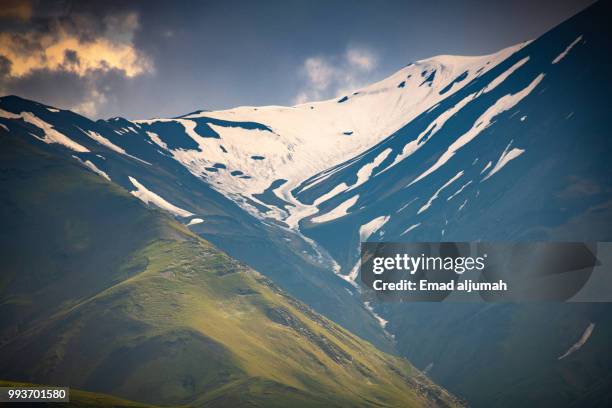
(361,58)
(62,50)
(326,77)
(84,47)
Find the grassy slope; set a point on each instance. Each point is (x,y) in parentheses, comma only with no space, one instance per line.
(101,294)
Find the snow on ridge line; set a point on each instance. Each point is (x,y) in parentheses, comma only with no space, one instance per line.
(441,120)
(382,322)
(483,122)
(370,228)
(504,75)
(309,141)
(90,165)
(51,135)
(195,221)
(110,145)
(149,197)
(581,342)
(340,211)
(437,193)
(103,141)
(331,193)
(486,167)
(504,159)
(365,172)
(567,50)
(456,193)
(365,232)
(410,228)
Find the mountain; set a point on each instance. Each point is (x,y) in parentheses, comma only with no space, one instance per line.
(102,294)
(511,146)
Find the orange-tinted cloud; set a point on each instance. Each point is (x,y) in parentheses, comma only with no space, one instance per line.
(86,48)
(62,50)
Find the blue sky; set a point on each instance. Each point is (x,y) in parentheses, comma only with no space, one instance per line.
(146,59)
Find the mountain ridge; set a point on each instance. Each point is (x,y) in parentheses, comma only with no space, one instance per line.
(517,153)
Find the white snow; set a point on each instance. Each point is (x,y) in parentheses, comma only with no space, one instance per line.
(352,276)
(489,164)
(567,50)
(90,165)
(340,211)
(149,197)
(330,194)
(437,193)
(368,229)
(410,228)
(195,221)
(503,104)
(382,322)
(365,172)
(581,342)
(505,157)
(8,115)
(430,131)
(103,141)
(50,134)
(459,191)
(439,122)
(157,140)
(403,207)
(501,78)
(307,140)
(107,143)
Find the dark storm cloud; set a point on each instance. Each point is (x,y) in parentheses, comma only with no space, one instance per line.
(218,54)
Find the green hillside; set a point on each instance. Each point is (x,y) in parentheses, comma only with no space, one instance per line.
(100,293)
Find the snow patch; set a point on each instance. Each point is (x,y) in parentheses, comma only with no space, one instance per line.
(90,165)
(410,228)
(365,172)
(567,50)
(505,157)
(8,115)
(339,211)
(149,197)
(330,194)
(459,191)
(484,121)
(437,193)
(50,134)
(195,221)
(382,322)
(581,342)
(368,229)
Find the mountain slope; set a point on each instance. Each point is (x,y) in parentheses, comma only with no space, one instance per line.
(129,159)
(102,294)
(512,146)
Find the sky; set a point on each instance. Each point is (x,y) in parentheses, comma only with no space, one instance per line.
(144,59)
